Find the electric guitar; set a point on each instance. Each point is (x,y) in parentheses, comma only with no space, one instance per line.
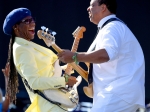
(67,97)
(50,41)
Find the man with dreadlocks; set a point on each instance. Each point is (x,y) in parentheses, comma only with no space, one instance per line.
(32,61)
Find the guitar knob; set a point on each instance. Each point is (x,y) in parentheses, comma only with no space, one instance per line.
(69,88)
(66,87)
(72,93)
(76,97)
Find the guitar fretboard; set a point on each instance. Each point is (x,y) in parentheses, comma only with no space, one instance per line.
(74,49)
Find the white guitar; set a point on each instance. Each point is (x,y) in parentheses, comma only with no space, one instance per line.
(67,97)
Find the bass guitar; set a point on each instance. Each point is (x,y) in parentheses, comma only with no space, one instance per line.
(67,97)
(49,39)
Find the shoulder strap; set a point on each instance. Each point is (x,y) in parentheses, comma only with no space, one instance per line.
(111,19)
(108,21)
(41,94)
(38,92)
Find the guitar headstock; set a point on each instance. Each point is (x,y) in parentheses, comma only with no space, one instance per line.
(78,33)
(47,35)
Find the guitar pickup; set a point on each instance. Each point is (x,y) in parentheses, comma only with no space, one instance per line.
(63,90)
(72,100)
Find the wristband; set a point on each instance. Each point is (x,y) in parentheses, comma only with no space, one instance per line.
(74,57)
(66,76)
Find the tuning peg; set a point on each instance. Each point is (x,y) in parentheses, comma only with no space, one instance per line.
(46,30)
(50,32)
(54,33)
(43,28)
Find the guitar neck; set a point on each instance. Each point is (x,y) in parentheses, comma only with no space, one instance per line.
(80,70)
(58,49)
(75,45)
(74,49)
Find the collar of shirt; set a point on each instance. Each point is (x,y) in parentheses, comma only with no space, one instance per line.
(21,40)
(102,21)
(38,47)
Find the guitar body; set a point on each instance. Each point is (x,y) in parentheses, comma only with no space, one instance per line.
(88,90)
(67,97)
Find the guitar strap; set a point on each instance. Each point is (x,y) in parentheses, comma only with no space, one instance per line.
(90,76)
(41,94)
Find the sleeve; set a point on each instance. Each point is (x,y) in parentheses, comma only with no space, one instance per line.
(111,42)
(26,63)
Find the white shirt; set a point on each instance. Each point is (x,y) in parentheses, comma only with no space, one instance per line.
(124,73)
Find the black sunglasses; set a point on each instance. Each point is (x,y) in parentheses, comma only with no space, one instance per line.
(28,21)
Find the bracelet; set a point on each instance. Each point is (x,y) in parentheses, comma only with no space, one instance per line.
(74,57)
(66,77)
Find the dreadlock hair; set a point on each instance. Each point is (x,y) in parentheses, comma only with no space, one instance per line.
(12,88)
(111,5)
